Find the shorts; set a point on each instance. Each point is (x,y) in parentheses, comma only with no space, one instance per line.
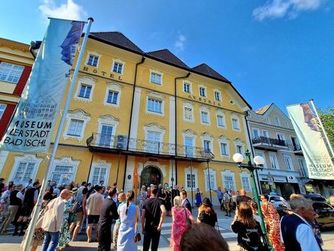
(93,219)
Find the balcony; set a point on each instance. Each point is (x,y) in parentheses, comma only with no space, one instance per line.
(138,147)
(296,149)
(269,143)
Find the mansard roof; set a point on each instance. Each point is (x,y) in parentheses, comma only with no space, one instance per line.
(117,39)
(166,56)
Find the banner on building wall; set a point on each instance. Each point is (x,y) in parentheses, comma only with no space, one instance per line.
(34,121)
(312,140)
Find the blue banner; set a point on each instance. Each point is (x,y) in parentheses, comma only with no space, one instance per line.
(33,123)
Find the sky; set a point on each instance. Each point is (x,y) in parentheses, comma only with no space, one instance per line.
(273,51)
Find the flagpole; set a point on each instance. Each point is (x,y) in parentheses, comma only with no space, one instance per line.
(323,130)
(31,229)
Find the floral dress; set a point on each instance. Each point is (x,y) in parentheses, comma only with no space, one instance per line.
(272,220)
(179,226)
(64,237)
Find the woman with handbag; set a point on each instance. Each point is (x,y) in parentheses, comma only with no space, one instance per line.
(129,215)
(181,221)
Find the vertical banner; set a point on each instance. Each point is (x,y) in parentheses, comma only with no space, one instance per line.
(312,140)
(34,121)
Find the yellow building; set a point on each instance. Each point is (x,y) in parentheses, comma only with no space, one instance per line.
(146,117)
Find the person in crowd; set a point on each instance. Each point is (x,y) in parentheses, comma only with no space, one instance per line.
(53,220)
(272,221)
(129,215)
(153,216)
(220,196)
(2,185)
(80,210)
(202,237)
(14,203)
(331,200)
(69,217)
(56,189)
(227,200)
(206,213)
(4,202)
(142,196)
(107,215)
(181,221)
(94,204)
(297,233)
(115,198)
(175,191)
(148,192)
(48,196)
(168,202)
(248,229)
(198,197)
(242,197)
(185,202)
(29,200)
(121,201)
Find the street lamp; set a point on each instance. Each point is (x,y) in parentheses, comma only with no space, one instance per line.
(259,161)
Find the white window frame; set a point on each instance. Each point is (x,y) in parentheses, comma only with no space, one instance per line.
(9,72)
(79,115)
(205,91)
(204,109)
(219,113)
(302,166)
(188,105)
(116,88)
(213,176)
(282,135)
(158,73)
(258,133)
(65,161)
(100,164)
(154,128)
(2,109)
(190,134)
(28,158)
(208,137)
(223,140)
(264,132)
(219,94)
(118,61)
(95,55)
(276,121)
(245,175)
(237,143)
(107,120)
(228,173)
(85,81)
(187,171)
(235,117)
(273,159)
(288,162)
(190,86)
(262,154)
(157,99)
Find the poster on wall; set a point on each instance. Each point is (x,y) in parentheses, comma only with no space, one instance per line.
(312,140)
(34,121)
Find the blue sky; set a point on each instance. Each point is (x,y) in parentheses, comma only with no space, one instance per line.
(279,51)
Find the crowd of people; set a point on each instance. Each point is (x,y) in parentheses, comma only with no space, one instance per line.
(111,217)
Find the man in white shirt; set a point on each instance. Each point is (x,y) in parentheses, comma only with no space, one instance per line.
(53,220)
(93,205)
(296,232)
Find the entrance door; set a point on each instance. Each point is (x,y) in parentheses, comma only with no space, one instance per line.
(151,175)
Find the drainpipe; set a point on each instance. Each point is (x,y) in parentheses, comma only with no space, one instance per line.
(130,121)
(175,95)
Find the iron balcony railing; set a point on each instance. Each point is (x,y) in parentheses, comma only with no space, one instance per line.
(122,143)
(269,141)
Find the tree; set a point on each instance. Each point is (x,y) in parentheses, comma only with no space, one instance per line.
(327,119)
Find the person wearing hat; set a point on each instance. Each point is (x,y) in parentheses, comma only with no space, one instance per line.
(206,213)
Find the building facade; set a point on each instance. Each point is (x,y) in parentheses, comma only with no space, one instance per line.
(274,138)
(138,118)
(15,66)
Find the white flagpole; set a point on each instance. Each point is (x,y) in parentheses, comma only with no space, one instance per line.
(323,130)
(31,229)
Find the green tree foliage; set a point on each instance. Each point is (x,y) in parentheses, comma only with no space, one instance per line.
(327,119)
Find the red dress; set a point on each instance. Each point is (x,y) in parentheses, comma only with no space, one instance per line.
(179,226)
(272,220)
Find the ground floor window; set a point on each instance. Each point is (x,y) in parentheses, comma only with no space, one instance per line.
(24,172)
(99,175)
(63,175)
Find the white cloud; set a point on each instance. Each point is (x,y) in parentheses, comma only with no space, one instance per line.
(68,10)
(281,8)
(180,41)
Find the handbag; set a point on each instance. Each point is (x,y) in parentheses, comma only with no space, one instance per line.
(137,237)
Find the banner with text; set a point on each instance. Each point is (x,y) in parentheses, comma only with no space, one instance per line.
(312,141)
(33,123)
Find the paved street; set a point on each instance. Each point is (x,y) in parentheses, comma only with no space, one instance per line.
(12,243)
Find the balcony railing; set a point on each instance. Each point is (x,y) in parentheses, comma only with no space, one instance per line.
(120,143)
(296,148)
(269,142)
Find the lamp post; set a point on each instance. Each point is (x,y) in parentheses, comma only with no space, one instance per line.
(259,161)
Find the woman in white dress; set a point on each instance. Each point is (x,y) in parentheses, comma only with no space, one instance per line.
(128,214)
